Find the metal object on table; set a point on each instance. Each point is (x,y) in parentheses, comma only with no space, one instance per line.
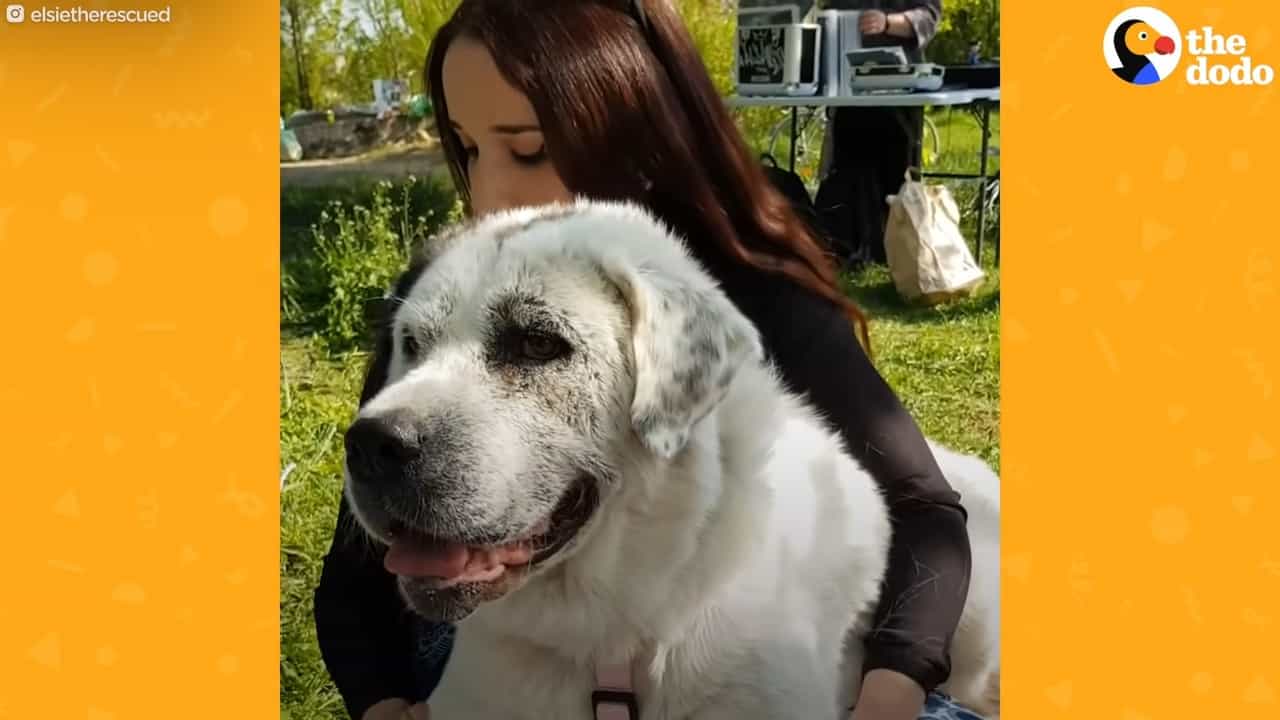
(982,76)
(892,55)
(896,78)
(945,96)
(773,60)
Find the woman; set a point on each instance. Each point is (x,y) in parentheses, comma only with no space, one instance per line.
(868,149)
(537,102)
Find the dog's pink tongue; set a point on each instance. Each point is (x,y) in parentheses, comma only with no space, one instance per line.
(417,559)
(450,561)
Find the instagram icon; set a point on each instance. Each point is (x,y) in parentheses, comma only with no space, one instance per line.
(15,13)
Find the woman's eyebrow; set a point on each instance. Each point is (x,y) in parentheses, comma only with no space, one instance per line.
(503,129)
(515,129)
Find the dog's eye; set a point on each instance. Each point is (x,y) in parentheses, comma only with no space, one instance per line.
(542,347)
(410,344)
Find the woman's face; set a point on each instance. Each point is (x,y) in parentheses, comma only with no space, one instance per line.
(507,163)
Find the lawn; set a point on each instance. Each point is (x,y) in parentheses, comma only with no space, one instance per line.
(944,363)
(317,397)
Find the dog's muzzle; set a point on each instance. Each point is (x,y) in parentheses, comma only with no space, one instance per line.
(385,451)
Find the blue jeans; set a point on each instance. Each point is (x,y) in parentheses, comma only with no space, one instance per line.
(941,707)
(435,641)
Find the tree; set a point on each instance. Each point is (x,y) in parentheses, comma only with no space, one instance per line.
(388,34)
(296,17)
(964,21)
(308,40)
(422,18)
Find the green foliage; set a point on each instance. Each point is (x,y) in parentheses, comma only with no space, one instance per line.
(423,18)
(962,22)
(358,250)
(349,254)
(344,52)
(309,31)
(300,206)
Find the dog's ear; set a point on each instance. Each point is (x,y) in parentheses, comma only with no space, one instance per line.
(379,314)
(435,245)
(377,322)
(689,341)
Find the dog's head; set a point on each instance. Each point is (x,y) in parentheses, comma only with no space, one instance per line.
(522,357)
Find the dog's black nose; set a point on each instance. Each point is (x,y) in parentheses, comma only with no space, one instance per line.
(379,448)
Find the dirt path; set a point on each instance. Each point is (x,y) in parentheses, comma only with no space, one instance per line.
(382,164)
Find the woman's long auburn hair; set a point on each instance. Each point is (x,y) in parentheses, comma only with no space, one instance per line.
(629,112)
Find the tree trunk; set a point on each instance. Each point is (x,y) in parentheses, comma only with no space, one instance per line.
(295,34)
(992,15)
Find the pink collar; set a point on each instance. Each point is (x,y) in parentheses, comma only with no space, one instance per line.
(615,697)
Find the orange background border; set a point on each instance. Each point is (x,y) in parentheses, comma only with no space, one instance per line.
(1139,433)
(139,223)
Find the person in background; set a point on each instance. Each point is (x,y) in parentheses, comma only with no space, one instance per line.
(529,97)
(975,52)
(870,149)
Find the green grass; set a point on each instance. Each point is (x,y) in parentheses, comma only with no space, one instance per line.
(960,140)
(959,132)
(318,395)
(944,362)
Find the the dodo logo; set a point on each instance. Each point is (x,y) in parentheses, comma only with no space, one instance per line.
(1142,46)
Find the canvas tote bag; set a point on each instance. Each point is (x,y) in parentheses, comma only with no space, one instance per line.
(927,255)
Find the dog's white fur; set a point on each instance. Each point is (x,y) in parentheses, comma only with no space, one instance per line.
(737,558)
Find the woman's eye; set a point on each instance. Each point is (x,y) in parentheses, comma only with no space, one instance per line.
(530,159)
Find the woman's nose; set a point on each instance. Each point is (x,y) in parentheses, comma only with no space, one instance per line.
(487,196)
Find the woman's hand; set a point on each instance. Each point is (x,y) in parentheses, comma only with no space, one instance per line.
(888,695)
(873,22)
(877,22)
(397,709)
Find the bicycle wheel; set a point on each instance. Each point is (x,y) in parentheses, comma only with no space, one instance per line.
(930,141)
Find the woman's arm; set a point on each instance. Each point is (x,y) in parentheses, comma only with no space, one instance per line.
(365,631)
(361,624)
(918,24)
(927,580)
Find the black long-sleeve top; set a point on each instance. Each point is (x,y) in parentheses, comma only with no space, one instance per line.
(366,634)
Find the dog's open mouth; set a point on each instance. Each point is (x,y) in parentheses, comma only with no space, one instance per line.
(442,563)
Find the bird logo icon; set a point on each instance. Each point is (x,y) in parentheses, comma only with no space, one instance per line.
(1142,46)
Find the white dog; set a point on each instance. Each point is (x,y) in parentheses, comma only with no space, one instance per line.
(581,456)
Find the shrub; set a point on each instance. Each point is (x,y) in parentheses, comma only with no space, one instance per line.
(353,252)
